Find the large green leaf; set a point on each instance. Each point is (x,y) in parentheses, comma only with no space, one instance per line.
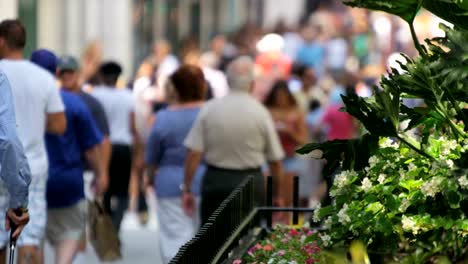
(352,154)
(406,9)
(378,114)
(453,11)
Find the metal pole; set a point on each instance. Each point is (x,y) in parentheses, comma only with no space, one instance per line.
(269,215)
(296,200)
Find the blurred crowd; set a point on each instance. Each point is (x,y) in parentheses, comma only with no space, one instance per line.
(192,123)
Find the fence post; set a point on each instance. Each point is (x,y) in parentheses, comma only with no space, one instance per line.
(269,201)
(296,200)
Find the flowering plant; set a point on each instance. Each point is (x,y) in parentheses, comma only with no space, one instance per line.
(402,202)
(405,194)
(288,245)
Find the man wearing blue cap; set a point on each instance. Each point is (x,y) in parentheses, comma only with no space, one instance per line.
(65,187)
(38,108)
(68,74)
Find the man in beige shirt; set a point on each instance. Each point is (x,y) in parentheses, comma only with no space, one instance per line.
(235,136)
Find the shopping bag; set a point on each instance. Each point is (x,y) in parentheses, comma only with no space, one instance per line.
(102,234)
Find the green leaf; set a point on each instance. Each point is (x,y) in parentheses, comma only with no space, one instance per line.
(326,211)
(454,199)
(406,9)
(376,116)
(353,153)
(391,203)
(452,11)
(411,185)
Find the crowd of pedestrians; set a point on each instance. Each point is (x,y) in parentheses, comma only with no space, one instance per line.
(189,127)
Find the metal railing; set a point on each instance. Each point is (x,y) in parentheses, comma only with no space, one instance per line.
(233,224)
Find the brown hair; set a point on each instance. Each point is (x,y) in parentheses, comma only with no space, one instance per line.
(189,83)
(14,34)
(278,86)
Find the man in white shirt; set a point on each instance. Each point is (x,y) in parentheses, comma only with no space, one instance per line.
(119,106)
(39,108)
(236,136)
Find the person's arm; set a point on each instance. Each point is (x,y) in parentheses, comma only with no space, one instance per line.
(90,141)
(192,161)
(299,133)
(274,152)
(105,148)
(106,152)
(56,123)
(14,168)
(195,144)
(93,157)
(102,123)
(153,153)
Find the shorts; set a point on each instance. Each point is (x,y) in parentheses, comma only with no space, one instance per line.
(33,233)
(67,223)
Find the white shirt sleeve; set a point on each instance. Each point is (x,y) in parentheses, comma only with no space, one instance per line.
(54,100)
(196,138)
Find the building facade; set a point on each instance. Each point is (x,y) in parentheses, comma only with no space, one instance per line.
(127,29)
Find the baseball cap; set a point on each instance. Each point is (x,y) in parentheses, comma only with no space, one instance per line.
(68,63)
(45,59)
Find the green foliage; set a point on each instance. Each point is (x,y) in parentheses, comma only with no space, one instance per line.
(402,203)
(453,11)
(346,150)
(407,197)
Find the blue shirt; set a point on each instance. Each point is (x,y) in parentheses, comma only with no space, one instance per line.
(166,151)
(14,168)
(312,55)
(65,185)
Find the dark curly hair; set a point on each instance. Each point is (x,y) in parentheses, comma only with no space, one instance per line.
(189,83)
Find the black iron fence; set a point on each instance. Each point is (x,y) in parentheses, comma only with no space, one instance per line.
(236,224)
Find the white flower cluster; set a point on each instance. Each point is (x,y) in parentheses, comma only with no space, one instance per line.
(342,179)
(449,163)
(316,217)
(463,181)
(373,161)
(366,184)
(389,143)
(328,222)
(432,187)
(448,146)
(343,217)
(405,203)
(412,167)
(408,224)
(382,178)
(389,165)
(326,239)
(465,144)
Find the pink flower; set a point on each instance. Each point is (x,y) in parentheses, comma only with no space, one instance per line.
(293,232)
(281,253)
(237,261)
(258,246)
(310,233)
(284,240)
(310,261)
(268,247)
